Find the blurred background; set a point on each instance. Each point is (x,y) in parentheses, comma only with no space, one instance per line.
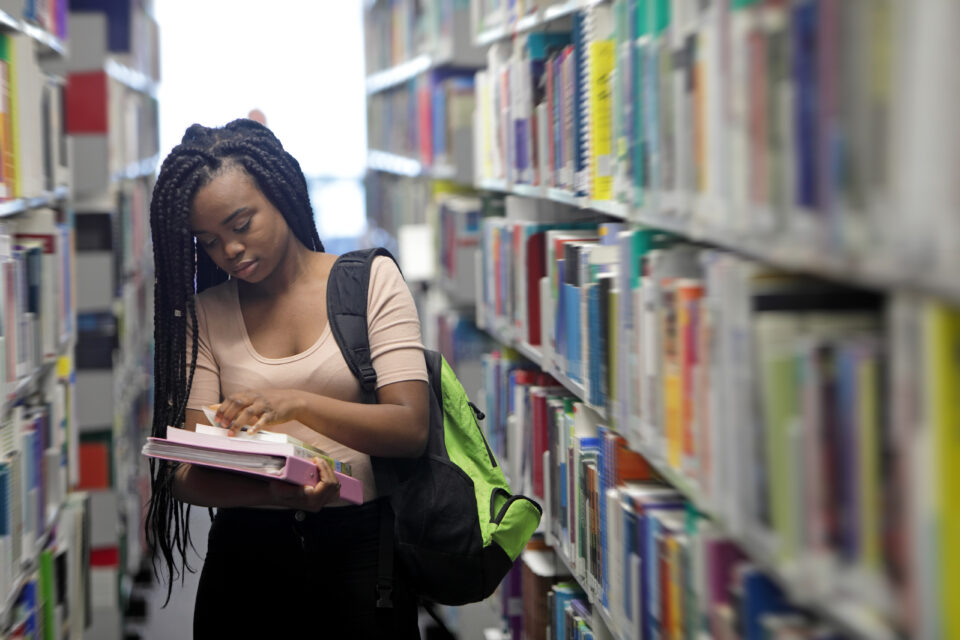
(695,260)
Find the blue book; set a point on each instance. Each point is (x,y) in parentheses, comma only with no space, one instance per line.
(571,300)
(648,529)
(26,607)
(5,499)
(848,396)
(581,94)
(119,21)
(761,597)
(592,365)
(804,24)
(581,608)
(629,527)
(563,594)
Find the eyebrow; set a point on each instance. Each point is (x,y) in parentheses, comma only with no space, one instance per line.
(230,218)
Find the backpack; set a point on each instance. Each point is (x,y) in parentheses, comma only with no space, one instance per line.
(456,528)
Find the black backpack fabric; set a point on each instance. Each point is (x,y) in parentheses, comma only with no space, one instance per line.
(455,526)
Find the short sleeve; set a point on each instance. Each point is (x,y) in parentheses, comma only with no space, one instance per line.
(396,348)
(206,378)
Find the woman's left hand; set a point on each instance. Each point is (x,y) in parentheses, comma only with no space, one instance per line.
(256,410)
(309,498)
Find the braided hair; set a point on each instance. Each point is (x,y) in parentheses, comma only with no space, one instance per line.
(183,270)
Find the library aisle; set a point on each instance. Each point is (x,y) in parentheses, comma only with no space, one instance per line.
(696,261)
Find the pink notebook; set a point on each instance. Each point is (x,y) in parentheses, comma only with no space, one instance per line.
(269,464)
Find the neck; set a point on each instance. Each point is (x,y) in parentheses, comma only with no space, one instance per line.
(297,262)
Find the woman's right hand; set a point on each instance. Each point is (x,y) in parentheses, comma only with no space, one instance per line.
(309,498)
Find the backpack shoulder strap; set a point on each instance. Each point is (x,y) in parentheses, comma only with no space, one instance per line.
(347,290)
(348,286)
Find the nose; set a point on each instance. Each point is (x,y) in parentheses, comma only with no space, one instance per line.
(233,249)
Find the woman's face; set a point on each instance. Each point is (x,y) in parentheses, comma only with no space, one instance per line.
(241,231)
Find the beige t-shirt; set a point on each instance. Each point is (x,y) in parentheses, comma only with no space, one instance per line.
(228,363)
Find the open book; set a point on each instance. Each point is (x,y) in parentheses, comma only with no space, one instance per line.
(271,458)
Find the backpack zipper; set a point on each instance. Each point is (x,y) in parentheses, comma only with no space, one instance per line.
(477,417)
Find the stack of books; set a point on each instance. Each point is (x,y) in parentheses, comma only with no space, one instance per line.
(271,455)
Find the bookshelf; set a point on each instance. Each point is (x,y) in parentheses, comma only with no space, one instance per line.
(38,451)
(874,271)
(420,66)
(845,613)
(51,44)
(712,183)
(111,75)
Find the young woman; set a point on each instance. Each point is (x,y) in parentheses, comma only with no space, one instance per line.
(240,321)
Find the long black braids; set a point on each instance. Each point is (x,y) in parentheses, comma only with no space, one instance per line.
(183,270)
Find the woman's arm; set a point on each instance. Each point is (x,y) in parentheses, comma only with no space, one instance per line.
(207,487)
(395,427)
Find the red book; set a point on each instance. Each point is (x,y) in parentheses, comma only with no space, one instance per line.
(757,110)
(86,102)
(538,401)
(94,458)
(536,268)
(105,557)
(426,122)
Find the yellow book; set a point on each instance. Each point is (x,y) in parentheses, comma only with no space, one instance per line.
(672,378)
(674,621)
(943,353)
(602,62)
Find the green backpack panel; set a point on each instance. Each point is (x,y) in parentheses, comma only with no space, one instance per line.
(456,527)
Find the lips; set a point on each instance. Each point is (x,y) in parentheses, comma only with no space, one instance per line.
(245,268)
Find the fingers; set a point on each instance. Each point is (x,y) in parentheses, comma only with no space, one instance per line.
(239,410)
(326,490)
(250,414)
(262,422)
(228,410)
(326,473)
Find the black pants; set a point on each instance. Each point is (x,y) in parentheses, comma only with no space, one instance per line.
(273,574)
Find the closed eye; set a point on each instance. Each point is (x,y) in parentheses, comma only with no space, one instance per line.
(207,243)
(244,227)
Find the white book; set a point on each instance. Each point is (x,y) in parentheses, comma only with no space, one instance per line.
(28,95)
(612,552)
(543,132)
(547,309)
(40,229)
